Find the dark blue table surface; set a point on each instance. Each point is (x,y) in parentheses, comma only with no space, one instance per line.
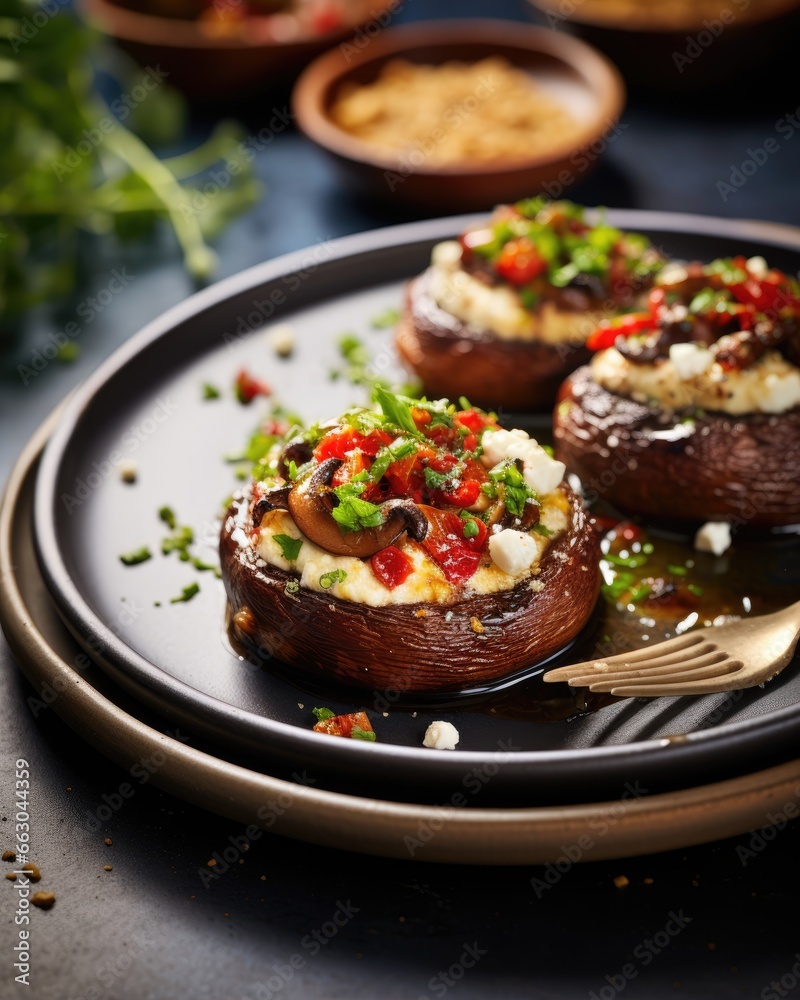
(150,928)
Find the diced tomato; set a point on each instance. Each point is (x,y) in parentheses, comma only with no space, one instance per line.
(354,462)
(406,477)
(446,545)
(607,331)
(391,566)
(247,387)
(464,495)
(520,262)
(765,295)
(470,442)
(472,420)
(343,725)
(343,440)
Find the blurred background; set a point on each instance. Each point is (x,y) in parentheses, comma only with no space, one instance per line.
(151,147)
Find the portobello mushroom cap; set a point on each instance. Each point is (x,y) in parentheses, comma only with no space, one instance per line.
(717,466)
(453,360)
(421,647)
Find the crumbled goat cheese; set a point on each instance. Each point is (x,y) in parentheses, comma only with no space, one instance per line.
(512,551)
(281,339)
(541,472)
(128,470)
(690,360)
(441,736)
(713,536)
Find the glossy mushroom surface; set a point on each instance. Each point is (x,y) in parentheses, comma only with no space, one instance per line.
(453,360)
(745,469)
(413,647)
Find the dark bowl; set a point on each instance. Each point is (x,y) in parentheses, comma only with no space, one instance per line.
(214,68)
(694,45)
(585,81)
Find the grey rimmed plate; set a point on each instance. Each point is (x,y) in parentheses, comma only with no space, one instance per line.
(524,744)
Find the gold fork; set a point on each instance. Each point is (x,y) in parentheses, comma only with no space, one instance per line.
(719,658)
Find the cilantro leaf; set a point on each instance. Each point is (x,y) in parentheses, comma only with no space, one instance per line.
(362,734)
(323,714)
(290,547)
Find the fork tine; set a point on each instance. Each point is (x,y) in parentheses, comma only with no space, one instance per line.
(736,680)
(675,645)
(669,668)
(713,674)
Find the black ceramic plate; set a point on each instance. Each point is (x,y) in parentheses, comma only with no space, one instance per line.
(524,744)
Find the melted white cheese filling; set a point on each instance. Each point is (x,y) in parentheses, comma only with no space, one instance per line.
(499,310)
(426,582)
(771,385)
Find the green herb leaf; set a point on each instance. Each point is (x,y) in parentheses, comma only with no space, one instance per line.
(384,320)
(210,391)
(509,486)
(137,556)
(435,480)
(289,546)
(542,529)
(323,714)
(167,515)
(396,409)
(353,513)
(363,734)
(327,580)
(186,594)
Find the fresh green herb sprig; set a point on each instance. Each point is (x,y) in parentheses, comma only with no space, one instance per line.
(507,483)
(71,163)
(352,513)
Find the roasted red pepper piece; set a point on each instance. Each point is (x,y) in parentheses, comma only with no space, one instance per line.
(247,387)
(391,566)
(340,442)
(343,725)
(520,262)
(607,331)
(446,545)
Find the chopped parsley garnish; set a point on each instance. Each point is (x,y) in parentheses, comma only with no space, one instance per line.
(401,448)
(204,567)
(353,513)
(542,529)
(167,515)
(210,391)
(323,714)
(362,734)
(327,580)
(435,480)
(178,542)
(137,556)
(186,594)
(383,320)
(290,547)
(397,409)
(508,484)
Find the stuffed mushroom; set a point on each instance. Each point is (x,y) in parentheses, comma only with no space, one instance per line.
(690,409)
(502,314)
(414,546)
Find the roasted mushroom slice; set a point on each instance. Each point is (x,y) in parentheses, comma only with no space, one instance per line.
(312,502)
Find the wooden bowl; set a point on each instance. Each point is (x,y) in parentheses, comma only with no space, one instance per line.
(580,77)
(213,68)
(685,45)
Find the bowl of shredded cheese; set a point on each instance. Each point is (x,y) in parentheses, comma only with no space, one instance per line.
(461,114)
